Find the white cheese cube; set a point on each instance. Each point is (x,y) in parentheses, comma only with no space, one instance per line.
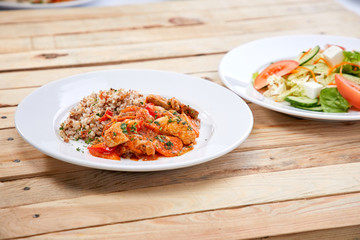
(334,55)
(312,89)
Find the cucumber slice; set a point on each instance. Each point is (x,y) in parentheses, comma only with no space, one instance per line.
(302,101)
(316,108)
(309,55)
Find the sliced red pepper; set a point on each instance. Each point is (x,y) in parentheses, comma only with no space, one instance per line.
(108,114)
(102,151)
(150,108)
(101,148)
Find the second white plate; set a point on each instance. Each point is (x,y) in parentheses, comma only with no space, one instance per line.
(19,5)
(238,65)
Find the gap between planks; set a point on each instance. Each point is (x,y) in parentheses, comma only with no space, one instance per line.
(208,19)
(50,15)
(209,201)
(86,181)
(130,52)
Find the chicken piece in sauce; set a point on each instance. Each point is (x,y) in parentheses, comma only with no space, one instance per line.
(114,135)
(180,127)
(173,104)
(140,145)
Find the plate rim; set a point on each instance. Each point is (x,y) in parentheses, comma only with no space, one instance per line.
(132,168)
(16,5)
(290,111)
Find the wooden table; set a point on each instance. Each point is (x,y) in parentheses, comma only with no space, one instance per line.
(291,179)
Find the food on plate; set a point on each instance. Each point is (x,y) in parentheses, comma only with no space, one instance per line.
(126,124)
(324,80)
(36,1)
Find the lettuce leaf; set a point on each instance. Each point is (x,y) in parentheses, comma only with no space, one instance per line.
(353,57)
(332,101)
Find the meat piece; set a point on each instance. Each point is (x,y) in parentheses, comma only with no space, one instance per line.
(180,130)
(158,100)
(139,145)
(189,111)
(173,104)
(114,135)
(177,127)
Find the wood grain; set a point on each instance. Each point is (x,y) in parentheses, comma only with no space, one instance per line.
(115,30)
(156,50)
(239,223)
(26,79)
(180,198)
(345,233)
(130,10)
(84,181)
(291,179)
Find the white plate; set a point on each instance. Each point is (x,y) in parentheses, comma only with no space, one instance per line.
(238,65)
(18,5)
(226,120)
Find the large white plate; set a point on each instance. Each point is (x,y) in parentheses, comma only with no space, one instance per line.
(238,65)
(226,120)
(18,5)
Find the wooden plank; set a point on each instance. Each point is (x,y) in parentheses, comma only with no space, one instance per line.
(156,50)
(21,159)
(51,15)
(7,117)
(260,221)
(345,233)
(107,38)
(162,20)
(26,79)
(193,197)
(84,181)
(14,100)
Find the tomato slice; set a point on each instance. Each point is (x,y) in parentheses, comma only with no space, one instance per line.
(349,90)
(280,68)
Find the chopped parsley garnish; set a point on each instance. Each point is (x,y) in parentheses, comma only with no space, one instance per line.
(123,127)
(78,149)
(133,127)
(157,123)
(169,144)
(160,138)
(61,128)
(114,133)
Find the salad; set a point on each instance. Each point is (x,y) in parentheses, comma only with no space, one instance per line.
(324,80)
